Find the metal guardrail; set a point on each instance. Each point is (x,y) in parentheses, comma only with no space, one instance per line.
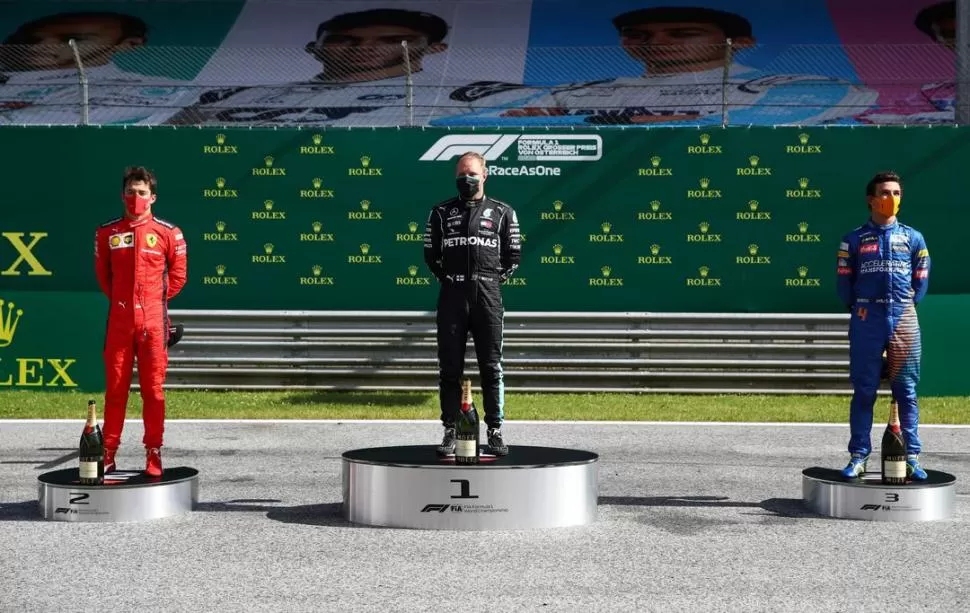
(771,353)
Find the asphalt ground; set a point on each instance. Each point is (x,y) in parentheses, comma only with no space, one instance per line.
(691,517)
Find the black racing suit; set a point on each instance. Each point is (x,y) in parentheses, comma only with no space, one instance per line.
(471,246)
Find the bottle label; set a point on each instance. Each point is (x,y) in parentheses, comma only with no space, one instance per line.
(88,470)
(465,448)
(894,470)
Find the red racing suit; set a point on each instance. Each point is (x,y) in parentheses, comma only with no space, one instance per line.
(140,265)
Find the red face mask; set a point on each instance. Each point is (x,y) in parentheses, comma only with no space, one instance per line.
(136,205)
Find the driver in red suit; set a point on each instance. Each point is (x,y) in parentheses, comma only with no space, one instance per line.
(140,262)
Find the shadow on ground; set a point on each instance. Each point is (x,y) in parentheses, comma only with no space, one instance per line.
(782,507)
(382,399)
(28,510)
(329,514)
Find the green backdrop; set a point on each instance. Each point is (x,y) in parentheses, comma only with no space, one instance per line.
(734,220)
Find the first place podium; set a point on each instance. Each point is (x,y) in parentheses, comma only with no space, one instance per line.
(125,495)
(412,487)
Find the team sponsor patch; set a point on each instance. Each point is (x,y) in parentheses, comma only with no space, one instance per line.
(870,248)
(122,240)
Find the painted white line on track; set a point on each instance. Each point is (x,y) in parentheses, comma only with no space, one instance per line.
(508,423)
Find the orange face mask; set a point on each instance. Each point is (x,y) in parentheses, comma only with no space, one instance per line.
(887,205)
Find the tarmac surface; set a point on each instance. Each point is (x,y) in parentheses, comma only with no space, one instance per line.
(698,517)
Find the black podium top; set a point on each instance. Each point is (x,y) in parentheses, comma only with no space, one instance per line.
(69,477)
(520,456)
(934,478)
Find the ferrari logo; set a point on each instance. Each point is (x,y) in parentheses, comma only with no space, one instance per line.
(152,240)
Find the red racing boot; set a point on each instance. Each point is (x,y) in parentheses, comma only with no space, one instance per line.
(109,460)
(153,461)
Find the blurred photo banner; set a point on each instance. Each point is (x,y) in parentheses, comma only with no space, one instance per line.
(343,63)
(904,50)
(140,58)
(637,62)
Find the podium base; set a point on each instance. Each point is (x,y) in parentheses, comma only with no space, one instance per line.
(411,487)
(827,492)
(124,496)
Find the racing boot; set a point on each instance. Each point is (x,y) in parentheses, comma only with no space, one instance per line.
(153,461)
(856,466)
(496,444)
(109,460)
(447,446)
(913,470)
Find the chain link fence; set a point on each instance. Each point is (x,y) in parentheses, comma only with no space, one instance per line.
(398,85)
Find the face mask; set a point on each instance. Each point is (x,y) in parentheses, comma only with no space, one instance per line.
(886,206)
(468,186)
(136,205)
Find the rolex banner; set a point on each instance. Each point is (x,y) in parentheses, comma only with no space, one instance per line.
(738,219)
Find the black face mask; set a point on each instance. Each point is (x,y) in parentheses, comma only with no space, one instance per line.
(468,186)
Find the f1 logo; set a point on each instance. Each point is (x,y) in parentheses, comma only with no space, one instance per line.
(465,487)
(432,508)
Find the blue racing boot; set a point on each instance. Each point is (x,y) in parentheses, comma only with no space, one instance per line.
(913,469)
(856,466)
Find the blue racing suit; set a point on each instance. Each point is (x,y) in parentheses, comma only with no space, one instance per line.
(883,273)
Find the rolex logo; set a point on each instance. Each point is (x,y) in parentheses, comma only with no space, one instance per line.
(803,138)
(753,249)
(220,182)
(365,248)
(220,226)
(365,161)
(8,322)
(557,205)
(316,269)
(704,226)
(268,160)
(803,271)
(364,205)
(655,161)
(220,269)
(317,139)
(655,205)
(317,182)
(220,139)
(704,182)
(413,270)
(317,226)
(753,160)
(705,138)
(803,182)
(557,249)
(654,249)
(606,270)
(268,205)
(753,205)
(606,226)
(412,226)
(803,227)
(268,248)
(703,271)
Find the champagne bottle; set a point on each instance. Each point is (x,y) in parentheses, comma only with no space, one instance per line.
(91,449)
(467,430)
(893,449)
